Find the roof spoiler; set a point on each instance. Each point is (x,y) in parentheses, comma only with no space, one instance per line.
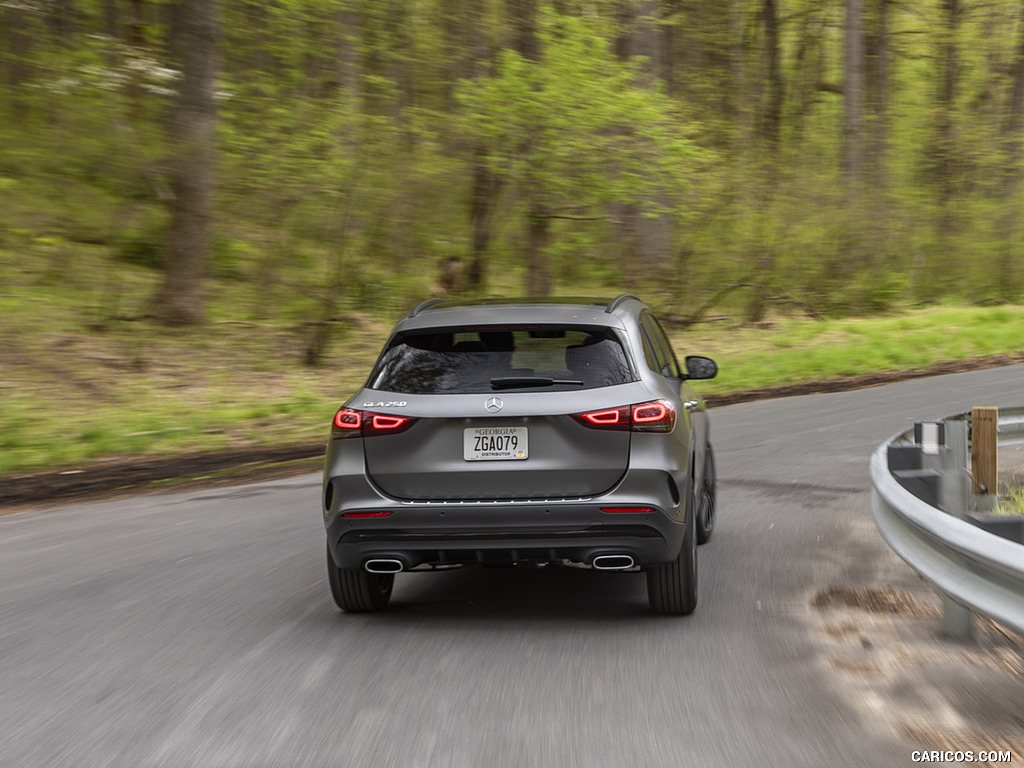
(431,303)
(618,300)
(425,305)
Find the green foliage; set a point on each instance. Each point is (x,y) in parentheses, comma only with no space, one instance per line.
(347,133)
(142,244)
(576,128)
(230,258)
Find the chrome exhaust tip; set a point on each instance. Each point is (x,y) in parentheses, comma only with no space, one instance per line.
(613,562)
(383,565)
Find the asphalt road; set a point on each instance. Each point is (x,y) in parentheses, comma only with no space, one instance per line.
(196,629)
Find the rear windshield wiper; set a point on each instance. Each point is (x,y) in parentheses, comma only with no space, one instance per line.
(517,382)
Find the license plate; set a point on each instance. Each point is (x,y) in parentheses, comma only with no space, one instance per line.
(495,444)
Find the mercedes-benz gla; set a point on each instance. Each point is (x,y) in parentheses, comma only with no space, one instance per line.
(515,431)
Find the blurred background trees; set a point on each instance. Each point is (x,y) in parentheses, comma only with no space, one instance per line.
(840,155)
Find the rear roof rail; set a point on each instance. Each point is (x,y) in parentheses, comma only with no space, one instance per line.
(423,305)
(614,303)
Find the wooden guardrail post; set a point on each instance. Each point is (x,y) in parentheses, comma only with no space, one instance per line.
(985,451)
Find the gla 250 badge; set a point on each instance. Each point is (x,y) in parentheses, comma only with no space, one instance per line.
(386,404)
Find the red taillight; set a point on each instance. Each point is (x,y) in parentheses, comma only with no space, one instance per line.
(643,414)
(611,418)
(377,421)
(655,416)
(658,416)
(349,422)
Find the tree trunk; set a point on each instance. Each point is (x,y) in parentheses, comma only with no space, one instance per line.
(949,58)
(772,116)
(62,17)
(349,70)
(1009,273)
(763,252)
(646,242)
(19,71)
(136,40)
(469,53)
(112,29)
(878,174)
(736,101)
(936,275)
(875,200)
(192,132)
(853,102)
(644,37)
(523,18)
(538,274)
(481,210)
(670,12)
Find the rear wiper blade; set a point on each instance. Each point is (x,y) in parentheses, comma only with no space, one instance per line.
(517,382)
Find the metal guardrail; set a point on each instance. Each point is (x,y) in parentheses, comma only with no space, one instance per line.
(972,567)
(1011,426)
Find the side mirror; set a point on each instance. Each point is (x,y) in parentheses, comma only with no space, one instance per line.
(698,367)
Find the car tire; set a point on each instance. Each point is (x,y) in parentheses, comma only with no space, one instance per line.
(358,591)
(672,588)
(706,510)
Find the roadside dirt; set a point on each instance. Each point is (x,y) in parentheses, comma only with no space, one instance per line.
(125,475)
(884,646)
(120,476)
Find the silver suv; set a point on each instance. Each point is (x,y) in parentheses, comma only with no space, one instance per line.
(501,432)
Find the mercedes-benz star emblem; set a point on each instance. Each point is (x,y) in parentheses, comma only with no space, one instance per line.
(494,404)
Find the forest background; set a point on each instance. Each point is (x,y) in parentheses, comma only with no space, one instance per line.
(218,208)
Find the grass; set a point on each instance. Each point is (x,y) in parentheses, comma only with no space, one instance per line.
(795,349)
(1011,498)
(80,381)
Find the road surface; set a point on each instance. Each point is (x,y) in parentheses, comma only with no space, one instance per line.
(196,629)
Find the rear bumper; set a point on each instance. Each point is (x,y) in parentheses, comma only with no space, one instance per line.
(505,532)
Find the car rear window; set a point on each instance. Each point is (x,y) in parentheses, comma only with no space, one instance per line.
(470,360)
